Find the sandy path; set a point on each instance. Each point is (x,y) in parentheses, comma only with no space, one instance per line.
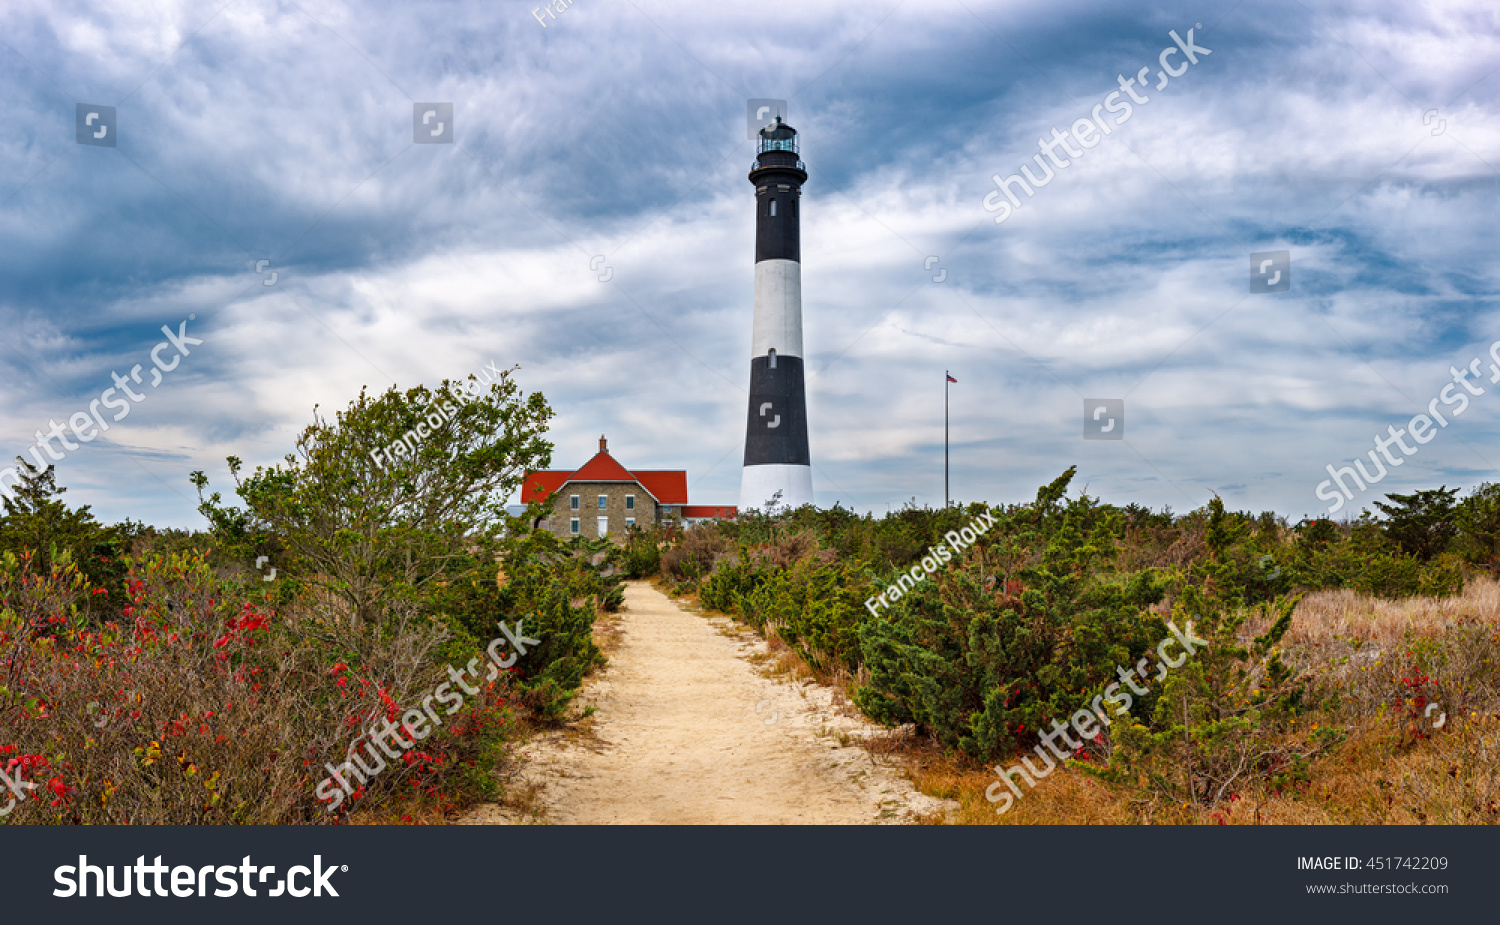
(687,730)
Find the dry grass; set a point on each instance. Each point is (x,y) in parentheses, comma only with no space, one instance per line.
(609,632)
(781,660)
(1067,797)
(1451,778)
(406,813)
(1391,768)
(1376,778)
(1327,618)
(523,802)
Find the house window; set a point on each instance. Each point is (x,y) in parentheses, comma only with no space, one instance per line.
(604,502)
(573,502)
(629,522)
(773,208)
(573,526)
(630,502)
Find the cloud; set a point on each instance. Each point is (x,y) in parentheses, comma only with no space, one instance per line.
(275,132)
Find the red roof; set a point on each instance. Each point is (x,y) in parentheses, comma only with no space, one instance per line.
(720,511)
(602,468)
(667,486)
(539,485)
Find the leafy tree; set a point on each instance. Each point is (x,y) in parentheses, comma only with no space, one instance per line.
(1139,516)
(1422,523)
(388,497)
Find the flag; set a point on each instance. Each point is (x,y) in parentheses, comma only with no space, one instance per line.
(950,378)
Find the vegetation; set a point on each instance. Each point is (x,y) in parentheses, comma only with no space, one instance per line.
(1034,621)
(161,677)
(1351,672)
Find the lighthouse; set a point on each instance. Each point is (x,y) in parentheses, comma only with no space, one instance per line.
(776,455)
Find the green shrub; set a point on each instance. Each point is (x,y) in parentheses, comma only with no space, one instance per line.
(1222,718)
(986,653)
(729,583)
(642,555)
(556,588)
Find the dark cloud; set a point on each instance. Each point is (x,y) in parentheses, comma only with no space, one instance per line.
(281,132)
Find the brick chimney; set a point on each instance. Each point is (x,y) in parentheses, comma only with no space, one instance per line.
(603,447)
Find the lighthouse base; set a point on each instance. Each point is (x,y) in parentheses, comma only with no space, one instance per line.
(760,483)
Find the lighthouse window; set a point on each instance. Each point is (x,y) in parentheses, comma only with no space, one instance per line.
(773,207)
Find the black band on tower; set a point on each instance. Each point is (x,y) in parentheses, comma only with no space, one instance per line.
(776,225)
(776,431)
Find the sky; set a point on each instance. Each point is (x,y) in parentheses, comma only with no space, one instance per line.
(591,223)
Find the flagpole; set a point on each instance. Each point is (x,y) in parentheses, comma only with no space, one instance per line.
(945,438)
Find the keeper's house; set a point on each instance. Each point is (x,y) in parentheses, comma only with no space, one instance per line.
(603,498)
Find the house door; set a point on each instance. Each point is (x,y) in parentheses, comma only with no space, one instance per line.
(604,526)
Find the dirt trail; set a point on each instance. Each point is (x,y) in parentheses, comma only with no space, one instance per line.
(687,730)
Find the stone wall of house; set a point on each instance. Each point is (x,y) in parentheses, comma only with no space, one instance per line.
(644,512)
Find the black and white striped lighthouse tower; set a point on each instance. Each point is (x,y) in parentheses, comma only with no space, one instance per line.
(776,456)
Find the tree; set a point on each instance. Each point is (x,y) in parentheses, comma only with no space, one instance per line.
(1478,520)
(38,520)
(391,495)
(1422,523)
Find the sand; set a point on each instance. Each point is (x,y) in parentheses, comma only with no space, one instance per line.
(687,730)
